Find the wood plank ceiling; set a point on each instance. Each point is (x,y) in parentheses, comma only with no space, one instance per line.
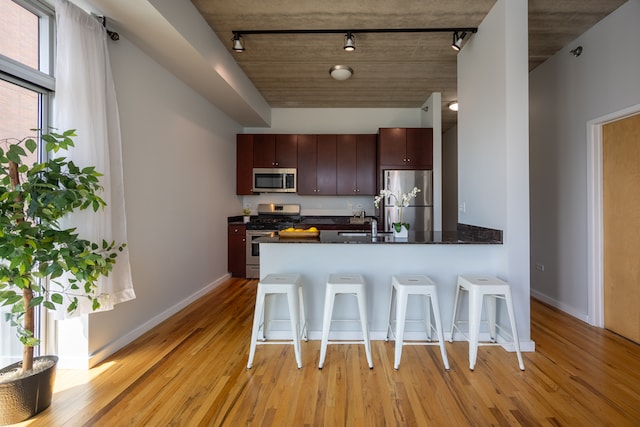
(390,70)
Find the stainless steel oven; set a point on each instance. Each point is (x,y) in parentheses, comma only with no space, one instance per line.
(271,218)
(253,251)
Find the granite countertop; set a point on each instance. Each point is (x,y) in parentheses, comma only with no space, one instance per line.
(415,237)
(348,222)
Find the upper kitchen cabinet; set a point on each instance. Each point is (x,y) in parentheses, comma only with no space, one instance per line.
(406,148)
(275,151)
(356,165)
(317,165)
(244,164)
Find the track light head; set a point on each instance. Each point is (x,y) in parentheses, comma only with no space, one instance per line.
(349,42)
(457,40)
(238,43)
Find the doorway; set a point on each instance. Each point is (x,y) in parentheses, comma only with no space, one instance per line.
(621,226)
(595,215)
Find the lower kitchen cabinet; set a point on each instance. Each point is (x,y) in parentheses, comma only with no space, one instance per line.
(237,250)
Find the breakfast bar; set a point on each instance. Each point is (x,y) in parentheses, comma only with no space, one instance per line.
(442,256)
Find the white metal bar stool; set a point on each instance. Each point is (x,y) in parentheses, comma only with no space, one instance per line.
(401,287)
(353,284)
(291,286)
(479,287)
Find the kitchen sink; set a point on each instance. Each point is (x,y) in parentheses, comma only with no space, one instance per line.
(353,233)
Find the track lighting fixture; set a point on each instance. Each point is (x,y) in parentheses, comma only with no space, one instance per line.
(349,42)
(457,40)
(238,43)
(349,38)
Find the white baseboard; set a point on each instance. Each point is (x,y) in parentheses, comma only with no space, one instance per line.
(116,345)
(572,311)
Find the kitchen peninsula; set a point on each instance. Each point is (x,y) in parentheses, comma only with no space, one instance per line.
(439,255)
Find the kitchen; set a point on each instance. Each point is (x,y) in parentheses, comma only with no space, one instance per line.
(440,253)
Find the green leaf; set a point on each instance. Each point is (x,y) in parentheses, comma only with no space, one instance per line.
(31,145)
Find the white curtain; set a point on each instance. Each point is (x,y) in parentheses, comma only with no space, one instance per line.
(85,100)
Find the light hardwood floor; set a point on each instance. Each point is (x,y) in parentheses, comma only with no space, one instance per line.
(191,371)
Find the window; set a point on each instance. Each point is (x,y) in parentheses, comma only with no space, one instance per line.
(26,88)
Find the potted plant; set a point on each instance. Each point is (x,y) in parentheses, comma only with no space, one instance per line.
(36,252)
(400,228)
(246,215)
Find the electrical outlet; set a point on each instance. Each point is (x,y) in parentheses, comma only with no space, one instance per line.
(462,207)
(540,267)
(350,206)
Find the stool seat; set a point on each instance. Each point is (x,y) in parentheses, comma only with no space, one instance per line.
(411,284)
(291,286)
(484,291)
(338,284)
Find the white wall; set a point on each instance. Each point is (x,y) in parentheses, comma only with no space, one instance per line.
(179,152)
(493,140)
(566,92)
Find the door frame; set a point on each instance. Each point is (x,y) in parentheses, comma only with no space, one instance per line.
(595,232)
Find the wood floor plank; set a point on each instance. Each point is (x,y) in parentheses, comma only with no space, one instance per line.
(191,371)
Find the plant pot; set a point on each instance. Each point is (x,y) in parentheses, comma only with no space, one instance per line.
(402,234)
(22,398)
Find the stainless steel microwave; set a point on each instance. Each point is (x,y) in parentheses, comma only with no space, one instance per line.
(274,180)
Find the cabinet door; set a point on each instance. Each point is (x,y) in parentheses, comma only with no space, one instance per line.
(366,164)
(392,146)
(420,148)
(244,164)
(346,172)
(236,250)
(326,165)
(264,151)
(307,164)
(286,151)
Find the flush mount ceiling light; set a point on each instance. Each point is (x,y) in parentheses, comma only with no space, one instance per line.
(341,72)
(238,43)
(457,40)
(453,106)
(349,41)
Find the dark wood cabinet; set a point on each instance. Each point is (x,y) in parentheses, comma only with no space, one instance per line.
(244,164)
(237,250)
(356,165)
(405,148)
(317,165)
(275,151)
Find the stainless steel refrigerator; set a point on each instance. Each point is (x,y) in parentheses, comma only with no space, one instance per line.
(419,213)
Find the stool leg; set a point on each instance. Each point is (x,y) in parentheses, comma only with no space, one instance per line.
(427,315)
(436,316)
(389,330)
(401,314)
(455,310)
(257,320)
(303,317)
(491,312)
(364,321)
(294,316)
(326,324)
(475,313)
(514,330)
